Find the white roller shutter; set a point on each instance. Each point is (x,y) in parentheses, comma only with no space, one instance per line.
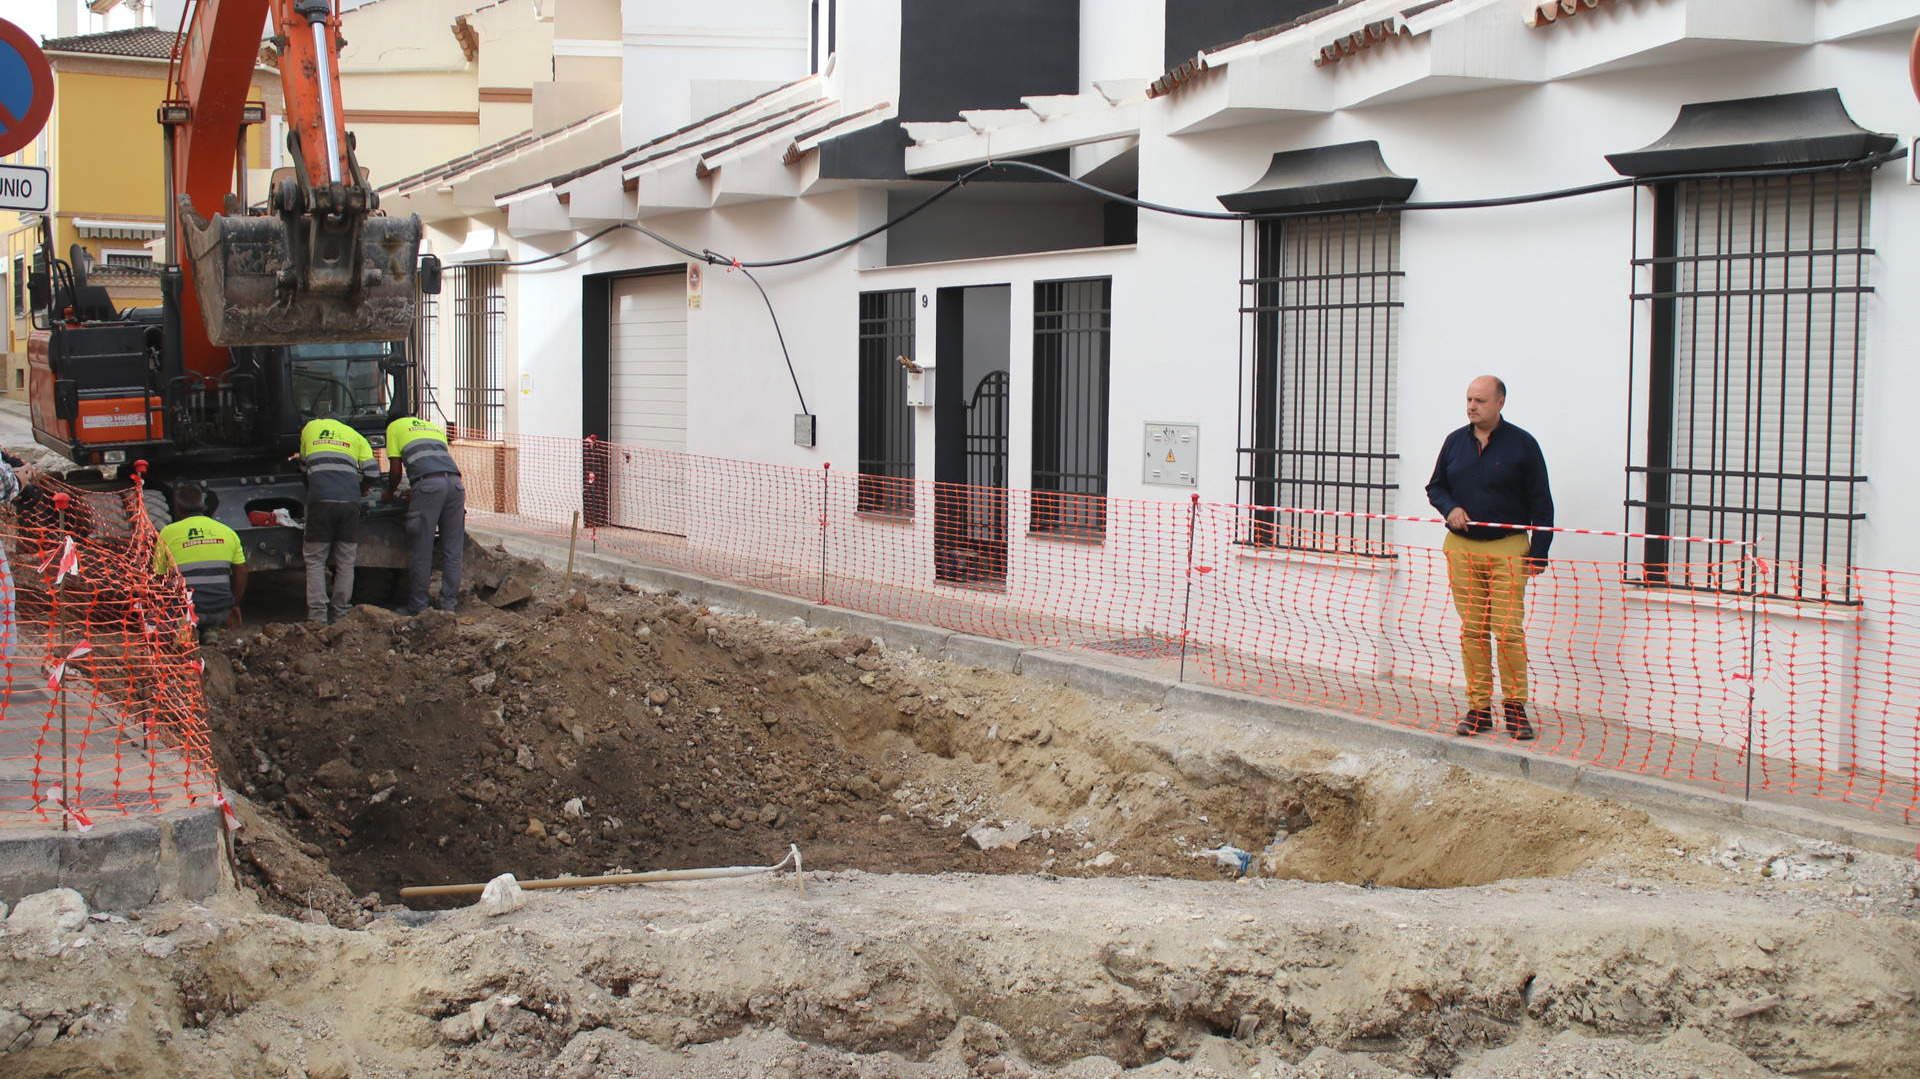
(1766,362)
(1337,332)
(647,402)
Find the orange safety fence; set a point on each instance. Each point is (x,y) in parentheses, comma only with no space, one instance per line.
(101,711)
(1692,669)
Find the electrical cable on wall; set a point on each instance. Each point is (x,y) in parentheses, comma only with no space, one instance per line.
(715,258)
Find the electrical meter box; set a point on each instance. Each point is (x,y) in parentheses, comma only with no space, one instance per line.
(1172,455)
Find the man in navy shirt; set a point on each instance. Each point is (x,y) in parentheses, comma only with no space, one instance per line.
(1490,477)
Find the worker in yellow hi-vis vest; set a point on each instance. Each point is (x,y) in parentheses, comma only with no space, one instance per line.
(340,467)
(436,502)
(208,556)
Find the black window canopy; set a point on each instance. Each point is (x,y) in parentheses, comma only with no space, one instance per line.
(1780,131)
(1323,178)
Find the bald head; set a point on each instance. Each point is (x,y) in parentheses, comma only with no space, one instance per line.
(1486,396)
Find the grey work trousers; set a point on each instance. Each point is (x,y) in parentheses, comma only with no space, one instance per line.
(333,535)
(438,502)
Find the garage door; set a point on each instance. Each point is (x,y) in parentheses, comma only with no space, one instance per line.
(647,398)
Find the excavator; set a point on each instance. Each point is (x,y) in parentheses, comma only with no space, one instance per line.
(294,308)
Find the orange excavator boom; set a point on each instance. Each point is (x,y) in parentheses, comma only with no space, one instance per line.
(320,264)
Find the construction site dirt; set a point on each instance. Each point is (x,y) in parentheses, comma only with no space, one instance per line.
(1003,877)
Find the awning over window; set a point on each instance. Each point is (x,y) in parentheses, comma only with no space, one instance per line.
(1323,178)
(1782,131)
(113,228)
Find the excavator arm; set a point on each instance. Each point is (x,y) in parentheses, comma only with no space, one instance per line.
(320,265)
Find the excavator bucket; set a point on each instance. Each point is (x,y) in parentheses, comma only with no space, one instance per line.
(278,280)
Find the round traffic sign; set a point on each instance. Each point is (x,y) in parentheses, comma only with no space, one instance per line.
(26,88)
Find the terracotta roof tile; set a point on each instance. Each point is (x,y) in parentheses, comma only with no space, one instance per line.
(1546,11)
(145,42)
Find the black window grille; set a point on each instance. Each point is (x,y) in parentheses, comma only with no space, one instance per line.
(1072,357)
(426,351)
(1758,290)
(479,317)
(1317,387)
(19,286)
(886,421)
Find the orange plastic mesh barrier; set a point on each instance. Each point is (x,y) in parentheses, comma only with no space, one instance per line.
(101,712)
(1677,671)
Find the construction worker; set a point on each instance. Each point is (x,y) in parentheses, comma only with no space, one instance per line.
(340,468)
(209,557)
(436,501)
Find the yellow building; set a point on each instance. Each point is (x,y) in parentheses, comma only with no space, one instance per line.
(102,144)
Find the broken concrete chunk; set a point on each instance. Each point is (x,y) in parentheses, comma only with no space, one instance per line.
(1104,859)
(1755,1007)
(502,894)
(988,837)
(574,807)
(512,592)
(483,682)
(459,1029)
(336,774)
(58,910)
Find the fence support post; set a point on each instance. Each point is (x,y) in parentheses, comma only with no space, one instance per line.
(1754,584)
(1186,604)
(826,470)
(60,502)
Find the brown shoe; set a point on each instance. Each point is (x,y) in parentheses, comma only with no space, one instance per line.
(1517,726)
(1476,721)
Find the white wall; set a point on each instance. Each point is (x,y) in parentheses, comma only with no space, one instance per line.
(1121,39)
(669,47)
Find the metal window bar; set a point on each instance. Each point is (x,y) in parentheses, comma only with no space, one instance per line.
(1317,391)
(1072,365)
(1758,291)
(426,352)
(479,317)
(886,421)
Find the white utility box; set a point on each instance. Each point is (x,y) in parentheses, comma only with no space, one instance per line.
(1172,455)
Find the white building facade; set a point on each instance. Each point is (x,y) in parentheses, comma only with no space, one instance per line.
(1710,351)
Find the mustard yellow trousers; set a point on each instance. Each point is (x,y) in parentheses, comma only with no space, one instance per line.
(1489,582)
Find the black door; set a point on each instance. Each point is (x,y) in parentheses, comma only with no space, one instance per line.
(971,426)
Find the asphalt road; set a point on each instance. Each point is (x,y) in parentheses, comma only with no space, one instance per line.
(16,431)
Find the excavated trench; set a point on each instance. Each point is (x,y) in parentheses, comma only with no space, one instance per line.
(543,734)
(629,731)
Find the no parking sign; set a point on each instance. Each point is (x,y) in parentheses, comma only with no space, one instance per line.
(26,88)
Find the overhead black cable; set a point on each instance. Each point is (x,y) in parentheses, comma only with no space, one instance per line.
(715,258)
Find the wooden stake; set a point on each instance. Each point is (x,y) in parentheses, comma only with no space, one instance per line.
(659,876)
(573,538)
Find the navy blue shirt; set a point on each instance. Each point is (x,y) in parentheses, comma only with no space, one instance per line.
(1505,483)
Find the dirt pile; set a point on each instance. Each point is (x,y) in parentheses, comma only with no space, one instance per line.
(612,730)
(555,740)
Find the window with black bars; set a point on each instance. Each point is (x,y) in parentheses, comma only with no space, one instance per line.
(479,325)
(1317,383)
(426,352)
(1758,292)
(886,421)
(1072,358)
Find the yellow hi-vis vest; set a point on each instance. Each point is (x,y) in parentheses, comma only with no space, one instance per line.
(336,459)
(205,552)
(422,445)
